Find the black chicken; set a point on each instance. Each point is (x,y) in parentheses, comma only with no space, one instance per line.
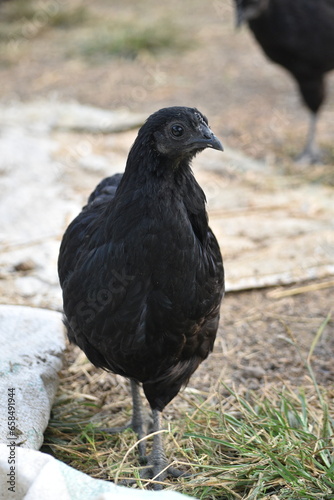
(141,271)
(298,35)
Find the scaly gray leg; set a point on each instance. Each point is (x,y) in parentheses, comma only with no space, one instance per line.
(157,464)
(311,153)
(140,421)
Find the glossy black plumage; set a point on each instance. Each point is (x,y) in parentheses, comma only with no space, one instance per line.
(298,35)
(141,271)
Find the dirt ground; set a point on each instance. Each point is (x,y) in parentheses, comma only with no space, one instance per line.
(252,106)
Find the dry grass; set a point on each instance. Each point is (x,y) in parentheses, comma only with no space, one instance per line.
(236,444)
(233,446)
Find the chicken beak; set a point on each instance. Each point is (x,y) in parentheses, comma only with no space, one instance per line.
(206,139)
(215,143)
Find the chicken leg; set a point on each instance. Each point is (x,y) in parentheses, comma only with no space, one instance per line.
(157,463)
(310,153)
(140,423)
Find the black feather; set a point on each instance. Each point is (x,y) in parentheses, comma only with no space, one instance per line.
(141,271)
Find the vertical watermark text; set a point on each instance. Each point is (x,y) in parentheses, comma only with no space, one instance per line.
(11,418)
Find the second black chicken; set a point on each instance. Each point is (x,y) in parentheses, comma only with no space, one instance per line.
(298,35)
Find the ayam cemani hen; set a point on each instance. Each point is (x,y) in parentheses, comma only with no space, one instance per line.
(298,35)
(142,273)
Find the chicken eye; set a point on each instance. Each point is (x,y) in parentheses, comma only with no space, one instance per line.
(177,130)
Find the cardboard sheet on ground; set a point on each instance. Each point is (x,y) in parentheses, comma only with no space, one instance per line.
(272,230)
